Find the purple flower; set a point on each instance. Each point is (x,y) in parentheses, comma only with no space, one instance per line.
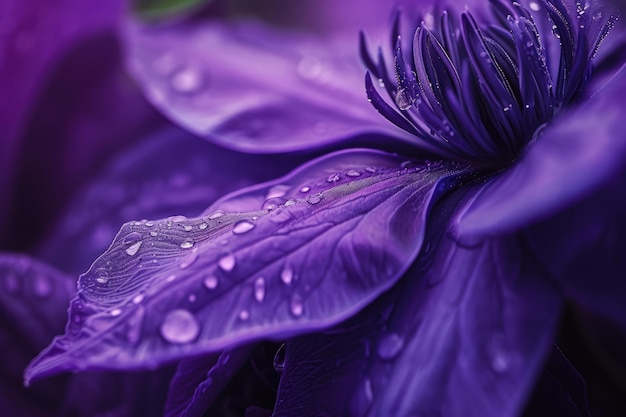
(424,282)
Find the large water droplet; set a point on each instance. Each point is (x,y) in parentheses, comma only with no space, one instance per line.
(332,178)
(180,326)
(286,275)
(279,359)
(242,226)
(259,289)
(403,99)
(315,198)
(116,312)
(534,6)
(296,306)
(134,248)
(390,346)
(353,173)
(227,262)
(202,226)
(216,214)
(211,282)
(186,245)
(187,80)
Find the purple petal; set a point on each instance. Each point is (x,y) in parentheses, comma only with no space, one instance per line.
(580,150)
(199,380)
(181,287)
(167,172)
(254,89)
(583,248)
(35,35)
(463,334)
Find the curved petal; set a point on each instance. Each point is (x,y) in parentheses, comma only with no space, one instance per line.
(580,150)
(34,36)
(169,171)
(179,287)
(255,89)
(583,248)
(463,334)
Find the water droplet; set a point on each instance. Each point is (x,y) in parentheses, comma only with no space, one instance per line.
(305,189)
(390,346)
(134,248)
(259,289)
(150,223)
(279,359)
(180,326)
(170,278)
(210,282)
(499,363)
(244,315)
(138,298)
(555,32)
(381,83)
(353,173)
(188,227)
(371,170)
(242,226)
(187,80)
(190,259)
(102,276)
(309,67)
(177,219)
(315,198)
(186,245)
(403,99)
(332,178)
(43,286)
(153,233)
(192,298)
(534,6)
(216,214)
(227,263)
(296,306)
(290,202)
(508,108)
(116,312)
(286,275)
(202,226)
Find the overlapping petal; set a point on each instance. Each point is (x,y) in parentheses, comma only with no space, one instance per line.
(582,148)
(464,334)
(256,89)
(161,285)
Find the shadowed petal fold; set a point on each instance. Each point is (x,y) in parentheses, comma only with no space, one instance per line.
(253,88)
(178,287)
(465,332)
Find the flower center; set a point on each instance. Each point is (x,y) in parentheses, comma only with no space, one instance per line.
(478,92)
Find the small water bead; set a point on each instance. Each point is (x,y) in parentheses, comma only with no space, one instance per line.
(332,178)
(216,214)
(305,189)
(191,298)
(187,80)
(286,275)
(371,170)
(102,276)
(290,202)
(534,6)
(244,315)
(115,312)
(296,306)
(149,223)
(138,298)
(390,346)
(170,278)
(227,263)
(177,219)
(353,173)
(242,226)
(134,248)
(153,234)
(403,99)
(180,327)
(202,226)
(187,227)
(259,289)
(186,245)
(315,198)
(211,282)
(500,362)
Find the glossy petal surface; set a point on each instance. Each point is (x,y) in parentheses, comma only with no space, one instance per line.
(181,286)
(255,89)
(459,333)
(578,151)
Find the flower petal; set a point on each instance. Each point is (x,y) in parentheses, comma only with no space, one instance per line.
(254,89)
(199,380)
(169,171)
(581,149)
(179,287)
(463,334)
(34,37)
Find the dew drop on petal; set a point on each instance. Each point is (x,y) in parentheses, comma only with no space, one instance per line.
(211,282)
(390,346)
(116,312)
(332,178)
(102,276)
(186,245)
(305,189)
(187,80)
(153,234)
(202,226)
(227,263)
(134,248)
(371,170)
(296,306)
(314,199)
(187,227)
(353,173)
(244,315)
(290,202)
(403,100)
(259,289)
(216,214)
(179,327)
(534,6)
(138,298)
(242,226)
(286,275)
